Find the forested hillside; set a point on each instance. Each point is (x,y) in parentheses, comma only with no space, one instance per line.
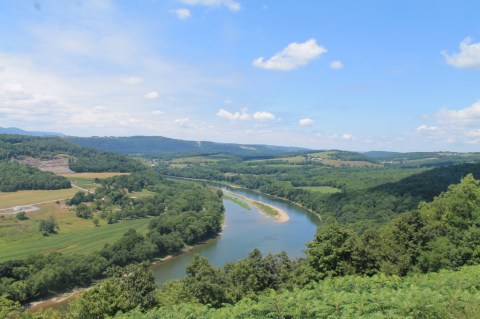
(19,176)
(364,196)
(81,159)
(157,145)
(15,176)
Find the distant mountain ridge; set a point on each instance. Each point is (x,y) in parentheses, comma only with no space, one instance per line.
(15,130)
(153,145)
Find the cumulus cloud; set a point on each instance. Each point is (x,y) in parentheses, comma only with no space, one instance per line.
(347,136)
(292,57)
(463,117)
(232,5)
(243,115)
(467,58)
(182,14)
(452,126)
(305,122)
(151,95)
(264,116)
(181,121)
(336,65)
(424,127)
(132,80)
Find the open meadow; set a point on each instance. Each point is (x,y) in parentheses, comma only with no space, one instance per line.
(19,198)
(20,239)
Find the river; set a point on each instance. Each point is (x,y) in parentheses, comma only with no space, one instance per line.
(245,230)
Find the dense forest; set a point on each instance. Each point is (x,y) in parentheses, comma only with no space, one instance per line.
(369,195)
(15,176)
(157,145)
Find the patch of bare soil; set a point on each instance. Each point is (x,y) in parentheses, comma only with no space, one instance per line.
(57,165)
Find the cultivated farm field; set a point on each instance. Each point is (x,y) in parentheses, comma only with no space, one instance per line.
(19,239)
(19,198)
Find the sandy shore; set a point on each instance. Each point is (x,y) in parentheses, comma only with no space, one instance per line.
(45,303)
(281,216)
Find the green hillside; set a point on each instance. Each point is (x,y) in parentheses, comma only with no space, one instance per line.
(157,145)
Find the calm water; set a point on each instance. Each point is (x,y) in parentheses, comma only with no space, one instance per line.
(245,230)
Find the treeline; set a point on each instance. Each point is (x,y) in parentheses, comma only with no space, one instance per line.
(369,197)
(15,176)
(158,145)
(443,295)
(187,213)
(82,159)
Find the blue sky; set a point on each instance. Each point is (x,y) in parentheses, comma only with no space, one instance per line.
(356,75)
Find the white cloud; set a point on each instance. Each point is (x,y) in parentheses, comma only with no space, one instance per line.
(473,133)
(152,95)
(181,121)
(336,65)
(264,116)
(347,136)
(453,127)
(464,117)
(232,5)
(182,14)
(467,58)
(292,57)
(305,122)
(132,80)
(424,127)
(243,116)
(158,112)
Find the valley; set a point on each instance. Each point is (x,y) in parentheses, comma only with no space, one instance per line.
(294,218)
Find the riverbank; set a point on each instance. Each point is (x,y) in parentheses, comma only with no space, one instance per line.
(280,215)
(55,301)
(234,186)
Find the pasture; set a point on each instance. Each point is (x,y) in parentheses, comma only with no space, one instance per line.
(20,198)
(321,189)
(19,239)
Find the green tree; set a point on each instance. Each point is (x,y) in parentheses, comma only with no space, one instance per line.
(48,226)
(205,282)
(8,308)
(21,216)
(127,288)
(83,211)
(333,251)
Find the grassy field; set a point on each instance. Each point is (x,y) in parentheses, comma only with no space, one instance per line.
(266,209)
(20,198)
(85,180)
(141,194)
(292,159)
(92,175)
(321,189)
(339,163)
(19,239)
(237,201)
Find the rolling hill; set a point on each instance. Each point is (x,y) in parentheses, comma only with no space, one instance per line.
(157,145)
